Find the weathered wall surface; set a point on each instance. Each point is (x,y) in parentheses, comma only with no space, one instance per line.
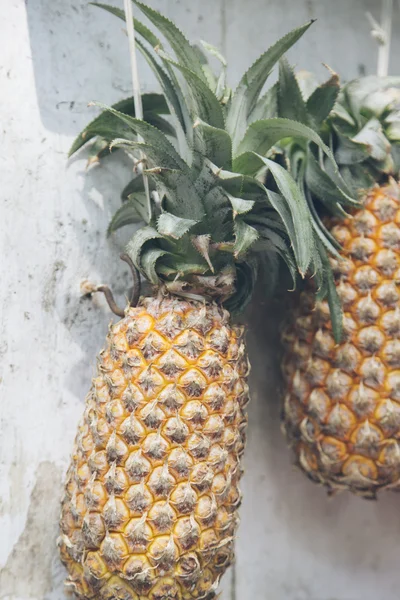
(294,543)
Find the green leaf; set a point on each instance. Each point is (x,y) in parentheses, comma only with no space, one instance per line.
(161,124)
(214,52)
(393,127)
(322,186)
(142,208)
(357,177)
(291,103)
(170,86)
(350,151)
(307,81)
(335,305)
(362,92)
(267,105)
(217,144)
(136,185)
(99,148)
(339,112)
(182,267)
(206,104)
(245,236)
(149,259)
(173,226)
(249,88)
(172,92)
(322,100)
(262,135)
(240,206)
(153,137)
(126,215)
(140,28)
(108,126)
(372,136)
(185,53)
(299,226)
(135,246)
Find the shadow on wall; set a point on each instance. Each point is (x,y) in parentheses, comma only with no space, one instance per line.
(79,54)
(344,533)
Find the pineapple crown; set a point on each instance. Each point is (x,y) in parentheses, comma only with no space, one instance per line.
(213,214)
(365,130)
(360,123)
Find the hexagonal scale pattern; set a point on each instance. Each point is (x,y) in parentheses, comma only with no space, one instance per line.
(151,498)
(342,405)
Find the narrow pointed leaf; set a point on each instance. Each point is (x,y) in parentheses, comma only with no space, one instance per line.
(108,126)
(172,92)
(169,84)
(267,105)
(300,227)
(249,88)
(350,151)
(206,104)
(148,260)
(135,185)
(99,148)
(135,246)
(240,206)
(335,305)
(173,226)
(126,215)
(217,144)
(185,53)
(322,186)
(262,135)
(245,236)
(291,103)
(155,155)
(151,135)
(214,52)
(322,100)
(140,28)
(373,137)
(139,199)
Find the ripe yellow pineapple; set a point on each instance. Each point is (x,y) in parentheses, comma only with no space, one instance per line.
(341,410)
(152,491)
(151,498)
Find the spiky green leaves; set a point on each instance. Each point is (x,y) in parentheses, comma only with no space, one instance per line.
(211,217)
(247,93)
(364,125)
(106,127)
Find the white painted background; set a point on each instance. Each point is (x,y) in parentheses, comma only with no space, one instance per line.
(294,543)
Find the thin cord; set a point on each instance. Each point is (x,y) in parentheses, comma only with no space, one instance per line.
(137,98)
(384,49)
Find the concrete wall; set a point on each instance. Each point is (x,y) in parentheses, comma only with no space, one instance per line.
(294,543)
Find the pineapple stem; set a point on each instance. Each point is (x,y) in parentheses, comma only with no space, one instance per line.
(105,289)
(137,97)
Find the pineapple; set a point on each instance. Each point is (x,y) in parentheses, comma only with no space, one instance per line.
(341,411)
(151,499)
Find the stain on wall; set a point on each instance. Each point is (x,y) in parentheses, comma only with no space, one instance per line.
(28,570)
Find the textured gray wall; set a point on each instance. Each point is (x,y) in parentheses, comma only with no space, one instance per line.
(294,543)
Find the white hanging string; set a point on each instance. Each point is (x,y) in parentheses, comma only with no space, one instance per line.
(382,33)
(137,98)
(384,49)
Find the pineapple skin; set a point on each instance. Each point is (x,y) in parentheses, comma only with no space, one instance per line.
(151,497)
(341,411)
